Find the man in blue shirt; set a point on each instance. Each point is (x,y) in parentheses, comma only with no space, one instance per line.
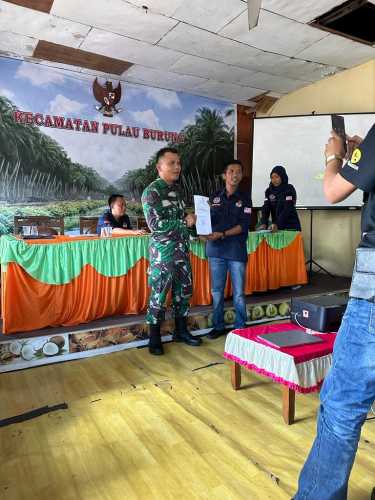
(226,247)
(115,217)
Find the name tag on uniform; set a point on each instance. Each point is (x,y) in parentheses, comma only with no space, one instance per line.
(350,164)
(289,198)
(247,210)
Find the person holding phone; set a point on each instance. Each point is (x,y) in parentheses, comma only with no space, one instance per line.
(280,203)
(349,389)
(338,126)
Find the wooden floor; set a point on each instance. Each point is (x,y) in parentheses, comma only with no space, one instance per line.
(141,427)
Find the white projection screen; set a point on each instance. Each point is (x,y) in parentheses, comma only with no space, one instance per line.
(298,143)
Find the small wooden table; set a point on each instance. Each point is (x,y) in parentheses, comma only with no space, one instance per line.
(298,369)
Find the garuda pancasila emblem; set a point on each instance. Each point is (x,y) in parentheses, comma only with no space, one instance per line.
(107,96)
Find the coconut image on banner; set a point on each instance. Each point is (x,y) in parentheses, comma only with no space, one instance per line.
(68,140)
(22,353)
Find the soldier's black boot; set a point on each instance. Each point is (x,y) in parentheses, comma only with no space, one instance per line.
(182,334)
(155,346)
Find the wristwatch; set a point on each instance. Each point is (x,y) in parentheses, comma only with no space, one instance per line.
(223,237)
(333,157)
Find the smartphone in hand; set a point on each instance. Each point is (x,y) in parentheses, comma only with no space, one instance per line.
(338,126)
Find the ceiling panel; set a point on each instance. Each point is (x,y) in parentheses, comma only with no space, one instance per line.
(173,43)
(140,74)
(210,95)
(40,25)
(281,84)
(166,7)
(291,67)
(229,91)
(212,15)
(121,47)
(201,43)
(79,58)
(192,65)
(303,70)
(300,10)
(116,16)
(336,50)
(274,33)
(14,44)
(232,74)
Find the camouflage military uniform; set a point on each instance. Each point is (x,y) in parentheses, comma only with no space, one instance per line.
(170,267)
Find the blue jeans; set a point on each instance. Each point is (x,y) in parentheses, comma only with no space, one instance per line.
(346,397)
(219,269)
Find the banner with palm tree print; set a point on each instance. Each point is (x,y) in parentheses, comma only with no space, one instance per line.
(50,168)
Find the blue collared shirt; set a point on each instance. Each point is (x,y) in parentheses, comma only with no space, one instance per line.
(227,212)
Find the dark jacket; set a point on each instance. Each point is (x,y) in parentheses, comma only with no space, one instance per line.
(280,203)
(227,212)
(107,219)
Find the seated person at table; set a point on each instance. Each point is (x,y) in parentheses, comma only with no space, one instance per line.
(226,246)
(116,217)
(280,203)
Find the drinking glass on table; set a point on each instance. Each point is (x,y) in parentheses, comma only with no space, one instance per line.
(106,232)
(26,230)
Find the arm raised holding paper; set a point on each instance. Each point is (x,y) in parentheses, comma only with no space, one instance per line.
(230,211)
(170,268)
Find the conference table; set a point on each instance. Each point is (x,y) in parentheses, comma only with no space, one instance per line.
(69,280)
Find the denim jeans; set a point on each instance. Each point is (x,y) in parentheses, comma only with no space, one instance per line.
(346,397)
(219,269)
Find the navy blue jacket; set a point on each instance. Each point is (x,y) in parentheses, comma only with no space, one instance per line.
(280,204)
(107,219)
(227,212)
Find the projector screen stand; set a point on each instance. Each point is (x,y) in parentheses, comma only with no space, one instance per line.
(310,262)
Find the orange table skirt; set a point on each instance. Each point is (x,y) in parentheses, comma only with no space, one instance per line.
(28,304)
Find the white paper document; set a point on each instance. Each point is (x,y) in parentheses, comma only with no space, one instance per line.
(202,211)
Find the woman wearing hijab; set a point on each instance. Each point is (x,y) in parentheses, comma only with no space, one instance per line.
(280,201)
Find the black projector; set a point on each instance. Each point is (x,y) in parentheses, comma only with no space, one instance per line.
(321,314)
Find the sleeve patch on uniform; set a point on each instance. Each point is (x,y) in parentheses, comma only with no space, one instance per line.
(356,156)
(289,198)
(247,210)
